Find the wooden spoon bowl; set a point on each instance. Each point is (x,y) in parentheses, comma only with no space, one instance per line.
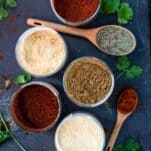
(124,110)
(90,34)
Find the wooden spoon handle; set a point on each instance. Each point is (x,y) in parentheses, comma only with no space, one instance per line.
(58,27)
(115,133)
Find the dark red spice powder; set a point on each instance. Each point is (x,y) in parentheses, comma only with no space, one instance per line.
(36,106)
(1,56)
(76,10)
(11,19)
(128,101)
(1,36)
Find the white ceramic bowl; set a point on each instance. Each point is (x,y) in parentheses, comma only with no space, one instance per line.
(99,102)
(80,114)
(20,44)
(88,20)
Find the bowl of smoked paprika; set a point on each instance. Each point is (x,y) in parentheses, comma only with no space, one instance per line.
(36,106)
(75,12)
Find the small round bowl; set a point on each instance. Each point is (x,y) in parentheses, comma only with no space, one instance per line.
(22,125)
(20,43)
(88,105)
(58,148)
(88,20)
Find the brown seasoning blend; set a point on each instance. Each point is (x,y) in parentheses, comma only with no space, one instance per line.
(88,81)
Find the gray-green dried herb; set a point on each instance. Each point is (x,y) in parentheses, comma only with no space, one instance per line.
(114,40)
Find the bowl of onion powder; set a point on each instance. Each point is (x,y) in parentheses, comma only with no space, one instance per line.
(80,132)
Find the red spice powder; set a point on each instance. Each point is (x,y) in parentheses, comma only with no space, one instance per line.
(36,106)
(128,101)
(76,10)
(1,36)
(1,56)
(11,19)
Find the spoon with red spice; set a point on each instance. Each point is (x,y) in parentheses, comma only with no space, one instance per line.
(111,39)
(127,104)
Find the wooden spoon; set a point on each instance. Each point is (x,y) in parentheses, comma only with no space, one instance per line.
(90,34)
(125,108)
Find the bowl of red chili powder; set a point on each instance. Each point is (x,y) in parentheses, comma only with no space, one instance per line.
(36,106)
(75,12)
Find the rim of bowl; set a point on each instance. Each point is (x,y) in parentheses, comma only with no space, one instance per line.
(28,32)
(69,116)
(101,101)
(25,127)
(75,23)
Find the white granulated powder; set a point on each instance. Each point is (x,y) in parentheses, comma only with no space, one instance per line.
(80,133)
(42,52)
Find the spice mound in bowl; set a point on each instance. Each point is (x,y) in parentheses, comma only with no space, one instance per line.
(41,51)
(80,132)
(36,107)
(88,82)
(75,12)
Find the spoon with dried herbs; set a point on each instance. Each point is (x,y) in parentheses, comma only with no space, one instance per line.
(5,133)
(127,104)
(111,39)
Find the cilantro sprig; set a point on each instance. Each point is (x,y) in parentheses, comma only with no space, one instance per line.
(6,133)
(124,66)
(23,78)
(122,9)
(129,145)
(4,5)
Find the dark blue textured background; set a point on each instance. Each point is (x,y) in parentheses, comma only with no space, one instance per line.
(137,126)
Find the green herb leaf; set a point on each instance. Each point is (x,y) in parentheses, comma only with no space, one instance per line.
(8,134)
(123,63)
(132,145)
(134,72)
(124,66)
(109,6)
(23,78)
(4,135)
(124,13)
(1,1)
(3,13)
(11,3)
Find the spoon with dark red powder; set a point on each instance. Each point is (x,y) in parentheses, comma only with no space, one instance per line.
(126,106)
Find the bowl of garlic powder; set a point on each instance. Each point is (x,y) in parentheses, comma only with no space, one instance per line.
(80,132)
(41,51)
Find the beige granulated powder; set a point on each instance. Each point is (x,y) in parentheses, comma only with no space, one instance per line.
(80,133)
(43,52)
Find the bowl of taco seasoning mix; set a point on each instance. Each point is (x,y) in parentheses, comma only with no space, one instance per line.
(36,107)
(41,51)
(75,12)
(80,132)
(88,82)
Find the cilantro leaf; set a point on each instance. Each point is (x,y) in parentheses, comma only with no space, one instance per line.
(132,145)
(23,78)
(124,13)
(11,3)
(1,1)
(109,6)
(3,13)
(134,72)
(123,63)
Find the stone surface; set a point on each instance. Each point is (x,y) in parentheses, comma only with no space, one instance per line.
(137,126)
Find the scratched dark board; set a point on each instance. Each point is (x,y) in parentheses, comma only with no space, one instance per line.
(138,126)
